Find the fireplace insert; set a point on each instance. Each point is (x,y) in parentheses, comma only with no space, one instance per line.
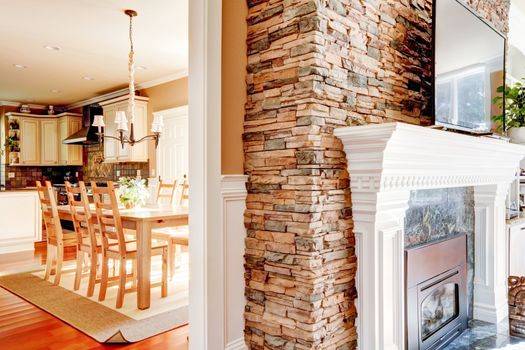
(436,293)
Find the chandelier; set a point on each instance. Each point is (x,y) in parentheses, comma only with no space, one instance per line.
(120,117)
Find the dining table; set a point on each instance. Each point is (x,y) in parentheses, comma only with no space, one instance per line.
(143,220)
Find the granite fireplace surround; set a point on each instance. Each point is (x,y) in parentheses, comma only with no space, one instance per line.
(387,162)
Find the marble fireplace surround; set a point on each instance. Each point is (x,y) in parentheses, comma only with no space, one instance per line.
(386,162)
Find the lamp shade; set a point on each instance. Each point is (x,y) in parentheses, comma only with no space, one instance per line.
(99,121)
(120,117)
(121,121)
(158,123)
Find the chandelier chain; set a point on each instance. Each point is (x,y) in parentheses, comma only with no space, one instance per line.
(131,69)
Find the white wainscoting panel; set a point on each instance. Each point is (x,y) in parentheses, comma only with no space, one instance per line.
(20,221)
(233,190)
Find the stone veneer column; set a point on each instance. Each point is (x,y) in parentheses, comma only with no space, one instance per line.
(300,261)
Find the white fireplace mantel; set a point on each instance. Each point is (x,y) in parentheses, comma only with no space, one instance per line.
(386,162)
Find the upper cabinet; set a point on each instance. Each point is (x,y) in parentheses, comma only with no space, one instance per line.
(37,139)
(48,142)
(29,141)
(113,150)
(68,124)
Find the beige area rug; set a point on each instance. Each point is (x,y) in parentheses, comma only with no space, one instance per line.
(101,320)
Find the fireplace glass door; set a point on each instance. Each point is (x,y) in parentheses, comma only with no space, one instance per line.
(439,308)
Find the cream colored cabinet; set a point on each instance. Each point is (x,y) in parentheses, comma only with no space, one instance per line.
(49,141)
(113,151)
(41,139)
(29,141)
(69,123)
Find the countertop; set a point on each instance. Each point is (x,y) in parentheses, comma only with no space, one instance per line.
(520,219)
(15,189)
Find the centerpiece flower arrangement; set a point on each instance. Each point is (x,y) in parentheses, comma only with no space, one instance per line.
(133,191)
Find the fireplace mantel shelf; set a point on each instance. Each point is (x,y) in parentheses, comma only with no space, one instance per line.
(394,156)
(386,162)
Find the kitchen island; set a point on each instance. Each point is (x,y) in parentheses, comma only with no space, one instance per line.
(20,220)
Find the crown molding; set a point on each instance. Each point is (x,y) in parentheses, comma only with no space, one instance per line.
(162,80)
(18,104)
(114,94)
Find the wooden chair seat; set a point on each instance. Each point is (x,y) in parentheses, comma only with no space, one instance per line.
(69,238)
(86,241)
(175,236)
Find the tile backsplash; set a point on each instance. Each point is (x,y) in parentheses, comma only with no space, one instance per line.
(96,170)
(26,176)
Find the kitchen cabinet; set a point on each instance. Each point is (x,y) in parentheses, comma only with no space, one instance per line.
(29,141)
(48,142)
(113,151)
(39,139)
(68,124)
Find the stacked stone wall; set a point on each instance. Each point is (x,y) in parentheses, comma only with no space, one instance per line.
(313,66)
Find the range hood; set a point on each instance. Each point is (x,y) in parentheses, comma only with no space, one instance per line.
(88,134)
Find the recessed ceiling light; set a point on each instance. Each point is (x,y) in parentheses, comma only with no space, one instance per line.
(142,67)
(55,91)
(52,48)
(88,78)
(20,66)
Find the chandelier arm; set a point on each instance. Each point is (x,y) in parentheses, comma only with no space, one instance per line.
(147,137)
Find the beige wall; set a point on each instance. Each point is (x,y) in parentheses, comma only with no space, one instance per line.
(234,60)
(165,96)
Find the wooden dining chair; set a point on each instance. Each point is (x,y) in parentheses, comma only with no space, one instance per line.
(173,237)
(89,243)
(166,192)
(111,229)
(57,238)
(184,193)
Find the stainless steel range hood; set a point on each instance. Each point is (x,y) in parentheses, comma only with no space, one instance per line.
(88,134)
(85,136)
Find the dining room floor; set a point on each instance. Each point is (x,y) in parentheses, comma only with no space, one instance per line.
(40,330)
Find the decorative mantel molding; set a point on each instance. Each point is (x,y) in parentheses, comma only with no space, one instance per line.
(390,156)
(386,162)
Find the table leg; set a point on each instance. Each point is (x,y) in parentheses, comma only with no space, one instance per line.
(143,264)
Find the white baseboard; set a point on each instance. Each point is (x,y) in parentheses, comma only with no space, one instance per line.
(238,344)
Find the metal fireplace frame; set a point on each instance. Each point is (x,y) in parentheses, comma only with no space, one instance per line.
(429,266)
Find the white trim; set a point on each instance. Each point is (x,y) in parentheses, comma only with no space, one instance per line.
(206,311)
(18,104)
(233,192)
(114,94)
(387,161)
(238,344)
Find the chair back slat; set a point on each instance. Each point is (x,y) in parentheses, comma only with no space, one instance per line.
(108,216)
(166,192)
(48,205)
(184,193)
(82,216)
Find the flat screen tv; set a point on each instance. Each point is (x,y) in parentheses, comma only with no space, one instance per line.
(469,65)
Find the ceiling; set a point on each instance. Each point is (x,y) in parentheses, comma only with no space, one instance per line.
(93,39)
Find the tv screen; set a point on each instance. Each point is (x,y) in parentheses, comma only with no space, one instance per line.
(469,67)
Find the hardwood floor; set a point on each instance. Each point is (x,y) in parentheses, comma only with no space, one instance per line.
(26,327)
